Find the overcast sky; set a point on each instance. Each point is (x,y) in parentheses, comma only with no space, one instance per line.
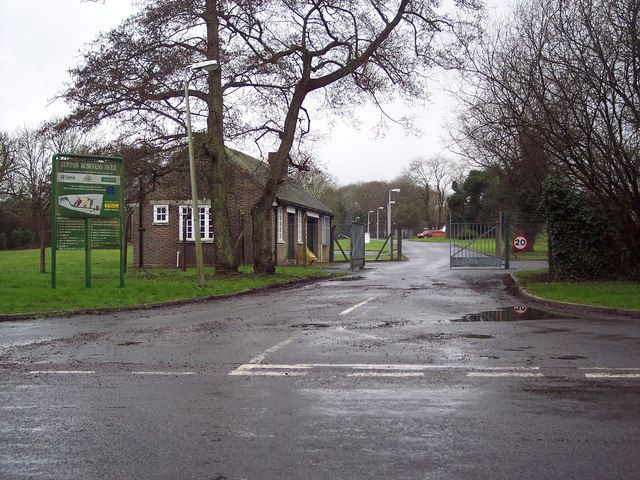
(40,41)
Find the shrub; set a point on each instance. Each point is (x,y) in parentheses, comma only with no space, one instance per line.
(22,238)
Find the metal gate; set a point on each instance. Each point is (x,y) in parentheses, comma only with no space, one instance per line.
(357,245)
(475,244)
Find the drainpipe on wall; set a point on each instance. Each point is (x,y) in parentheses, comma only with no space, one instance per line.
(140,218)
(275,233)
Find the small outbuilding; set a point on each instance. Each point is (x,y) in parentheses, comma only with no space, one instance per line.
(162,223)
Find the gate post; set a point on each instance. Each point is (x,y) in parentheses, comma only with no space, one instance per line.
(506,240)
(499,237)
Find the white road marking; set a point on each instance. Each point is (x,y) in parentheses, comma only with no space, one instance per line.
(612,375)
(271,350)
(349,310)
(612,369)
(503,374)
(268,373)
(163,373)
(387,374)
(379,370)
(62,372)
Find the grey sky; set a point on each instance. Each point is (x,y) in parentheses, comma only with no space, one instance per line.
(40,40)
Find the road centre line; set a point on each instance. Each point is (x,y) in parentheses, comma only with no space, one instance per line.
(351,309)
(612,375)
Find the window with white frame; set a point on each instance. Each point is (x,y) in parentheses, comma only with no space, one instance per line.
(300,226)
(280,224)
(326,230)
(186,223)
(161,214)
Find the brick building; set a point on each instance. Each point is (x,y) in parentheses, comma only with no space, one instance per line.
(166,238)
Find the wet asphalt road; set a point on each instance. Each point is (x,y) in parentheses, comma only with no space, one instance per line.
(364,379)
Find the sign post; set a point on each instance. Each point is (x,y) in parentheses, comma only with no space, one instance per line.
(87,207)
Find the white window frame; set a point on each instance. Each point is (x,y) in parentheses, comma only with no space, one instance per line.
(326,230)
(280,224)
(300,227)
(160,214)
(206,223)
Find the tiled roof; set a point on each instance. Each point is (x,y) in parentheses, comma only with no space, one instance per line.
(289,192)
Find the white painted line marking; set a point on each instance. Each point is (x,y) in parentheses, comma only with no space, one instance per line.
(255,362)
(62,372)
(616,369)
(272,366)
(612,375)
(267,373)
(271,350)
(381,370)
(163,373)
(349,310)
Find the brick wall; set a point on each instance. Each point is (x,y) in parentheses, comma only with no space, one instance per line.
(161,244)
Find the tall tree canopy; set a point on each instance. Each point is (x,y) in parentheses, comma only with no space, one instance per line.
(272,55)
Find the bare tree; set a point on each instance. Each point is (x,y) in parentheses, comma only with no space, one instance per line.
(31,179)
(559,90)
(8,146)
(272,56)
(433,176)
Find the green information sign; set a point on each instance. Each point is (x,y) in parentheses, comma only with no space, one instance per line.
(88,188)
(88,207)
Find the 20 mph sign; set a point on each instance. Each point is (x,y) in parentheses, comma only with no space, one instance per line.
(520,242)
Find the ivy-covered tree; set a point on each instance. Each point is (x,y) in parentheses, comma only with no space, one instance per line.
(583,244)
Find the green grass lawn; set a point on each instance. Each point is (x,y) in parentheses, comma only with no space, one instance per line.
(612,294)
(24,289)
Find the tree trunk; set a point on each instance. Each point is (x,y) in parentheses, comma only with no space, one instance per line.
(215,150)
(263,261)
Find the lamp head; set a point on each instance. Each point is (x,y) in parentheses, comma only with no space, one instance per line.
(208,65)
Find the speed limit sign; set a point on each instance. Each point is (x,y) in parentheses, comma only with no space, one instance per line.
(520,242)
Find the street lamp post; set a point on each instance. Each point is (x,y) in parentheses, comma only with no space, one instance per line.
(389,222)
(378,221)
(368,223)
(208,65)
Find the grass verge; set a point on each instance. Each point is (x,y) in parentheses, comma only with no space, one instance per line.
(24,290)
(612,294)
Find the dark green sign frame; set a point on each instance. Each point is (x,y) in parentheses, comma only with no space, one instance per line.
(87,207)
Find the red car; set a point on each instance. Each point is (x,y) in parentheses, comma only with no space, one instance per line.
(426,233)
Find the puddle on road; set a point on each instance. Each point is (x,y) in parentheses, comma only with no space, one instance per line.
(510,314)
